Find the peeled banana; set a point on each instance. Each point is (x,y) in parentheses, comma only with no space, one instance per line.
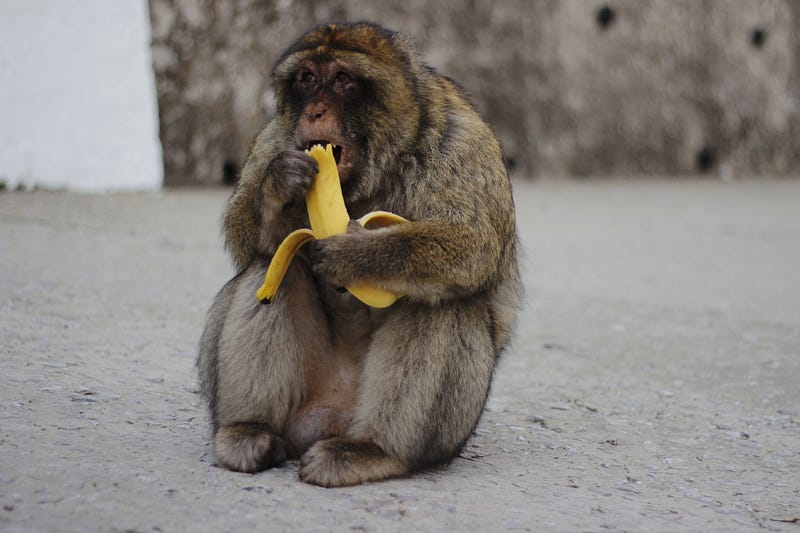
(328,216)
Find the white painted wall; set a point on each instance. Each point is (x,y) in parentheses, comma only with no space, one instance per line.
(78,106)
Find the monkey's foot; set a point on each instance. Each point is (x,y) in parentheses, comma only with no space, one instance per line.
(338,462)
(248,447)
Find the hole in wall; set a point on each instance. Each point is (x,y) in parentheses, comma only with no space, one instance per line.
(511,163)
(605,16)
(230,172)
(758,37)
(706,159)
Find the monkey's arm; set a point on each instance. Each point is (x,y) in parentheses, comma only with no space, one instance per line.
(427,260)
(267,203)
(461,238)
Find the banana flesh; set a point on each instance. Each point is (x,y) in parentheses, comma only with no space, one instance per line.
(324,201)
(328,216)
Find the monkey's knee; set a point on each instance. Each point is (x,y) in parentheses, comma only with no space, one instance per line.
(248,447)
(339,462)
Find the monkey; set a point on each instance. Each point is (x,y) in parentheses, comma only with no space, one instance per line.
(359,394)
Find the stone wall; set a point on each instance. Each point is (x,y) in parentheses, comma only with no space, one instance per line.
(572,87)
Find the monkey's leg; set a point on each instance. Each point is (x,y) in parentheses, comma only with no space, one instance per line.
(424,384)
(259,374)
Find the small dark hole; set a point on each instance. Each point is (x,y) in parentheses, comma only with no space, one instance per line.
(511,163)
(229,172)
(606,16)
(758,37)
(706,159)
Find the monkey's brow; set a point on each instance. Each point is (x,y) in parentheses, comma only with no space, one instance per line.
(324,46)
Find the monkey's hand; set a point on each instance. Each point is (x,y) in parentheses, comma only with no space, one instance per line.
(289,175)
(328,216)
(332,258)
(338,258)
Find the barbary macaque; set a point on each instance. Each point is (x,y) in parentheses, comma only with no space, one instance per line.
(357,393)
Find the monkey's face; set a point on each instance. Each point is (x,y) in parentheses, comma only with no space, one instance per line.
(351,86)
(327,96)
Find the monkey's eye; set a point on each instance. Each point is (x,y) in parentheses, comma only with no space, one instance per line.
(307,77)
(343,83)
(342,78)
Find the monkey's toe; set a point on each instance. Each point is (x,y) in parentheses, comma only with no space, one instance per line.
(248,447)
(338,462)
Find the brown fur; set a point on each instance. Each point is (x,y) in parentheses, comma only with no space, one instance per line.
(360,393)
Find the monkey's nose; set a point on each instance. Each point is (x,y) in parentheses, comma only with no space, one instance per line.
(315,111)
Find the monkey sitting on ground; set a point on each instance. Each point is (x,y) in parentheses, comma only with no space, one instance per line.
(357,393)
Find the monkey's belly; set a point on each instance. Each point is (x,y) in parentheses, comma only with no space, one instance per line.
(329,409)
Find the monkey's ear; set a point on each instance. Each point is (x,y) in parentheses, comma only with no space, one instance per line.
(281,87)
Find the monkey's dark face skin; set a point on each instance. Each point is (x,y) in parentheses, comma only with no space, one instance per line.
(337,90)
(324,94)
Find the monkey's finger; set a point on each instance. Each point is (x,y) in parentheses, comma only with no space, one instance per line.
(293,172)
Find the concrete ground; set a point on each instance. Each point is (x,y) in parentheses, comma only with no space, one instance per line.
(654,384)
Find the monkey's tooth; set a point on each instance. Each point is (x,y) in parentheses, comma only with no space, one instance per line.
(280,263)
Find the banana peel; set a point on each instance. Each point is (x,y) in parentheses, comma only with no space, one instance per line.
(328,216)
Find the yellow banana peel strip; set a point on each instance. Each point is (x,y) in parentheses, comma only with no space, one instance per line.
(280,262)
(328,216)
(380,219)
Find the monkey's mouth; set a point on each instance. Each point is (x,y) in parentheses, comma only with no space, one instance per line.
(337,150)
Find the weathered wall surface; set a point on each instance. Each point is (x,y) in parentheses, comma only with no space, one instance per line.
(572,87)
